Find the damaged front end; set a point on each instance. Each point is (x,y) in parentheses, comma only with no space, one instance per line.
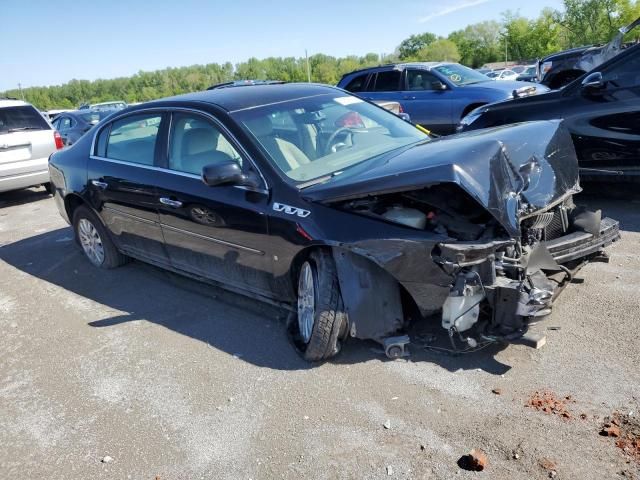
(492,233)
(499,289)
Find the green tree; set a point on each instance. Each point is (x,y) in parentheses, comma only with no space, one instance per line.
(410,47)
(478,43)
(442,50)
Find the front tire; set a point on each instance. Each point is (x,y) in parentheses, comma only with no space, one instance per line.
(321,317)
(94,239)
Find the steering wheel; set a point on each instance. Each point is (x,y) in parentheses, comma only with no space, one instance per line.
(334,136)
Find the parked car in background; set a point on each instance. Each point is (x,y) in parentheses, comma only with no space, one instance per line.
(530,74)
(560,69)
(601,111)
(503,75)
(518,68)
(435,95)
(311,197)
(52,114)
(73,124)
(26,141)
(484,71)
(113,105)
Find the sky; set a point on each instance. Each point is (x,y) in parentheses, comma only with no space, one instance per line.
(48,42)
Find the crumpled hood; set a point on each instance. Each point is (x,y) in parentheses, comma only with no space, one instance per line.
(512,171)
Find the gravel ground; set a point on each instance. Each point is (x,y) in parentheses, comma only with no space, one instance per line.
(173,379)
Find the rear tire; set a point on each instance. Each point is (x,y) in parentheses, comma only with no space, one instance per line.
(95,241)
(48,187)
(321,316)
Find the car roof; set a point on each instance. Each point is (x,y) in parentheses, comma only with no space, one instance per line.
(233,99)
(12,102)
(427,65)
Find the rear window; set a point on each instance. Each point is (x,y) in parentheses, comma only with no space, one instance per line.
(21,118)
(95,117)
(357,84)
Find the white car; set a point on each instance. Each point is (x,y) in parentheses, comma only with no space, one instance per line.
(26,141)
(503,75)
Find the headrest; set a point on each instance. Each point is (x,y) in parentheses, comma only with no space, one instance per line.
(260,126)
(198,140)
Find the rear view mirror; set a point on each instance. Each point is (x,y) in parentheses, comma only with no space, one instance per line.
(223,173)
(438,85)
(593,82)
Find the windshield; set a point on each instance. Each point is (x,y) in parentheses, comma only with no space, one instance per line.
(24,117)
(460,75)
(314,137)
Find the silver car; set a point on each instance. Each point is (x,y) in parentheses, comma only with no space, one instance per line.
(26,141)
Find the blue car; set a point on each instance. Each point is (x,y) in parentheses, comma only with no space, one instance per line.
(435,95)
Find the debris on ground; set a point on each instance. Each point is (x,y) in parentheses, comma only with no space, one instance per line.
(497,391)
(549,466)
(106,459)
(547,402)
(387,424)
(626,430)
(475,460)
(389,470)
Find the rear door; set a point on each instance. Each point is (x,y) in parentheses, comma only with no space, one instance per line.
(122,175)
(607,134)
(219,232)
(383,85)
(425,102)
(26,141)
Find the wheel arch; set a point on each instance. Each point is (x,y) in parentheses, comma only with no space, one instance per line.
(376,302)
(471,107)
(71,203)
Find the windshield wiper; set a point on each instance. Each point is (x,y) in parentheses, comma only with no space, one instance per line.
(22,129)
(316,181)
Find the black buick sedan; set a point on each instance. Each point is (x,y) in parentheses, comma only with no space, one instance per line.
(342,212)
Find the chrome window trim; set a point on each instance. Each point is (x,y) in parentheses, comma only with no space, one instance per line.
(223,129)
(212,239)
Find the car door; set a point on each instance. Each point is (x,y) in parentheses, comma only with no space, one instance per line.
(607,130)
(426,102)
(217,232)
(384,85)
(122,175)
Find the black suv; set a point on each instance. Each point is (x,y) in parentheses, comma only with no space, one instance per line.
(601,110)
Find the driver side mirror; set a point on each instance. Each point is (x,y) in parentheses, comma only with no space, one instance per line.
(224,173)
(438,85)
(593,82)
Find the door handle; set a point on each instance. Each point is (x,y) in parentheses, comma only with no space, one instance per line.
(170,203)
(99,184)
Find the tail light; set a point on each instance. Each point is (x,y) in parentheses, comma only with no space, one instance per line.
(58,140)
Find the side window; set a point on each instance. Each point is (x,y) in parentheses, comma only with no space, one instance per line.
(101,142)
(420,80)
(624,74)
(56,124)
(196,142)
(357,84)
(65,124)
(388,81)
(133,139)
